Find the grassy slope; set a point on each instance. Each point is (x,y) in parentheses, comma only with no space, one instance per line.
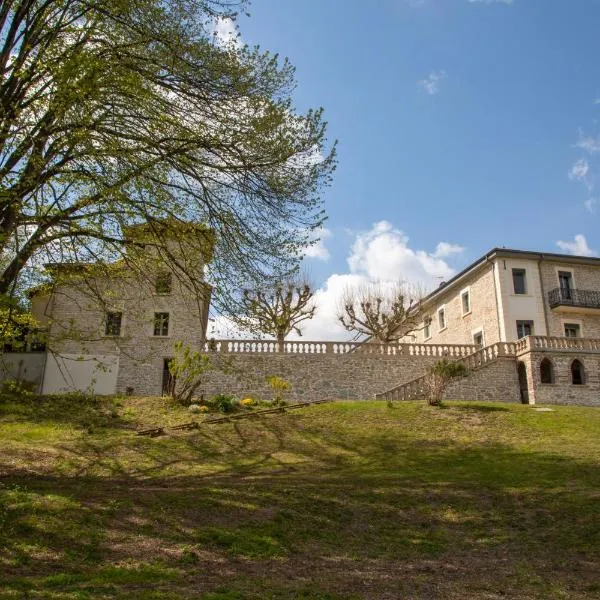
(341,501)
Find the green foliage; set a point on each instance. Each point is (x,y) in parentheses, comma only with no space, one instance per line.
(19,388)
(125,113)
(224,403)
(187,368)
(16,325)
(279,387)
(439,376)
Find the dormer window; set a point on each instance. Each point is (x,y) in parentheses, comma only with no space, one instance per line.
(163,283)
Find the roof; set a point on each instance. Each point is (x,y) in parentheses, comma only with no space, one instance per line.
(510,253)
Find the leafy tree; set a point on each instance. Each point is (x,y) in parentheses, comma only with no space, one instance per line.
(121,113)
(385,313)
(277,311)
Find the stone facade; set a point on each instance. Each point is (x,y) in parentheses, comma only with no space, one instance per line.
(74,311)
(462,325)
(560,354)
(500,313)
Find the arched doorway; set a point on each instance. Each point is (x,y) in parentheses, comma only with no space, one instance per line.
(577,373)
(523,387)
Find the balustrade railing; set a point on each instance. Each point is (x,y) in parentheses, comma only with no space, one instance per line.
(302,347)
(415,388)
(538,342)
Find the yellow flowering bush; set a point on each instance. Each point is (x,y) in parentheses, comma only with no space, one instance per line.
(247,402)
(204,409)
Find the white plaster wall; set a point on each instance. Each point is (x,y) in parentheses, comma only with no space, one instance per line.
(74,372)
(520,307)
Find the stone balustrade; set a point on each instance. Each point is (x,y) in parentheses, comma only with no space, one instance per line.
(416,388)
(538,342)
(307,347)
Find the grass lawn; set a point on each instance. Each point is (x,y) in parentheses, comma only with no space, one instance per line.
(350,500)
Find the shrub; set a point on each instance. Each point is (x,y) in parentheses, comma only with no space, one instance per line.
(279,387)
(187,368)
(247,402)
(439,377)
(224,403)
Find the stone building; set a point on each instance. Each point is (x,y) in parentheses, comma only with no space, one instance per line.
(112,327)
(509,294)
(526,324)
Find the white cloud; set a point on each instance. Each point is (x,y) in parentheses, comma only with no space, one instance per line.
(318,249)
(381,254)
(225,32)
(444,249)
(579,170)
(432,83)
(590,204)
(579,247)
(588,143)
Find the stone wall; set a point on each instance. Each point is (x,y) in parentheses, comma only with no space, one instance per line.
(497,381)
(562,390)
(358,374)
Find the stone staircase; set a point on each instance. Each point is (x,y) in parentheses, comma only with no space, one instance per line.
(416,388)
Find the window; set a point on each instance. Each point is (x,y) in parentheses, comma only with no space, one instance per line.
(546,371)
(163,283)
(465,299)
(519,283)
(427,328)
(442,318)
(161,324)
(577,373)
(113,323)
(524,328)
(478,339)
(572,330)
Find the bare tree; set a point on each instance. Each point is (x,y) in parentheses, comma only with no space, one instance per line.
(383,312)
(279,310)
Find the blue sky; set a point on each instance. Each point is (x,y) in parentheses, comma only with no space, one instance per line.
(469,123)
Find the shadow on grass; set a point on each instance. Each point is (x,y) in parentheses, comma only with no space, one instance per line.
(70,409)
(374,515)
(483,408)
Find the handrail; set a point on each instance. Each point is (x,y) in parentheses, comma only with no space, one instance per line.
(307,347)
(563,296)
(413,389)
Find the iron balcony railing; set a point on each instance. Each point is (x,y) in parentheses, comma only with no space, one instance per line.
(572,297)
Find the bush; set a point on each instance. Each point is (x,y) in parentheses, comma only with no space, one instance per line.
(224,403)
(279,387)
(439,377)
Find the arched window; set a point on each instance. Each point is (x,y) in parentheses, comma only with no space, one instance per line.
(577,373)
(546,371)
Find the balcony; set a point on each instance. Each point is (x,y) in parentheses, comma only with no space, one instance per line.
(571,300)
